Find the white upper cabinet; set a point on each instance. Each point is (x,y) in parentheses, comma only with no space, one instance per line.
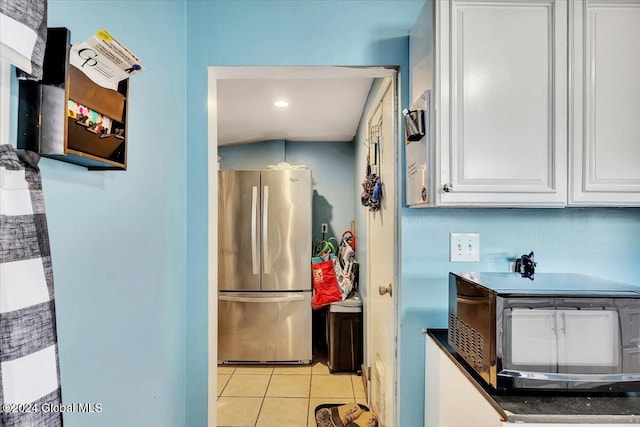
(502,92)
(604,106)
(533,103)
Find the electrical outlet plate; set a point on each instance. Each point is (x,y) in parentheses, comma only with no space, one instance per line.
(324,227)
(465,247)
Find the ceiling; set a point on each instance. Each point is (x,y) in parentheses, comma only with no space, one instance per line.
(325,103)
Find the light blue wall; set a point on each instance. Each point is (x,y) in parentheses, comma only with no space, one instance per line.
(301,32)
(118,238)
(333,195)
(252,156)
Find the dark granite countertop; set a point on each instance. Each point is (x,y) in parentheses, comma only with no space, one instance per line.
(546,408)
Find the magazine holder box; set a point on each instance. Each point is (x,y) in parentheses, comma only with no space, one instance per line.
(47,124)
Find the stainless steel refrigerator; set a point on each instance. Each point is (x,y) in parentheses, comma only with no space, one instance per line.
(264,266)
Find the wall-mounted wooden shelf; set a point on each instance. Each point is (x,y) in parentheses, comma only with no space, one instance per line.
(48,119)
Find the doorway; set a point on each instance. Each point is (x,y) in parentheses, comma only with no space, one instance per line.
(387,83)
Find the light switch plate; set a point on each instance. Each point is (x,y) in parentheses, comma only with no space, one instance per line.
(465,247)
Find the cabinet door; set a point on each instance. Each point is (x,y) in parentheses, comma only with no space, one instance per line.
(502,102)
(605,103)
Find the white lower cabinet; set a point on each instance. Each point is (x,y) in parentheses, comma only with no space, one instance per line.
(605,103)
(450,399)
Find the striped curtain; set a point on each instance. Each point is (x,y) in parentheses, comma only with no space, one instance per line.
(23,34)
(29,369)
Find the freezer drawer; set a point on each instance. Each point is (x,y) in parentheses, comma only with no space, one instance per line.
(264,327)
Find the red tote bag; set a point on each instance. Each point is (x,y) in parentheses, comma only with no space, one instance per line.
(325,285)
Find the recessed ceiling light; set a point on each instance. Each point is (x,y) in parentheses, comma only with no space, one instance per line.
(281,104)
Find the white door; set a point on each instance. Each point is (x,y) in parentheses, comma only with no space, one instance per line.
(501,98)
(381,260)
(605,103)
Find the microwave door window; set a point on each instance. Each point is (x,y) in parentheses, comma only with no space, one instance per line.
(588,341)
(531,340)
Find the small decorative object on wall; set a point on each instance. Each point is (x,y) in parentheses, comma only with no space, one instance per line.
(526,266)
(77,112)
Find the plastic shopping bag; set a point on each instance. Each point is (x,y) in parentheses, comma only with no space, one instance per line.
(345,283)
(325,284)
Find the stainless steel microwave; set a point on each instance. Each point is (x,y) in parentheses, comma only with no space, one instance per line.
(565,332)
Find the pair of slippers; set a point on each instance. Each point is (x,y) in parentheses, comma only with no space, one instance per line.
(348,415)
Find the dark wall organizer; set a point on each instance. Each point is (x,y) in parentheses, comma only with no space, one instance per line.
(46,124)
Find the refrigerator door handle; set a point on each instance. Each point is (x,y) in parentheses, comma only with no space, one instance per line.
(222,297)
(254,231)
(265,230)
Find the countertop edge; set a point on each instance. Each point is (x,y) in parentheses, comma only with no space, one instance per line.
(574,419)
(437,334)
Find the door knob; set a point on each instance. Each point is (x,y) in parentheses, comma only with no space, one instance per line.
(385,289)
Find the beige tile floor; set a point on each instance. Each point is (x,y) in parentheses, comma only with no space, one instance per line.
(282,396)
